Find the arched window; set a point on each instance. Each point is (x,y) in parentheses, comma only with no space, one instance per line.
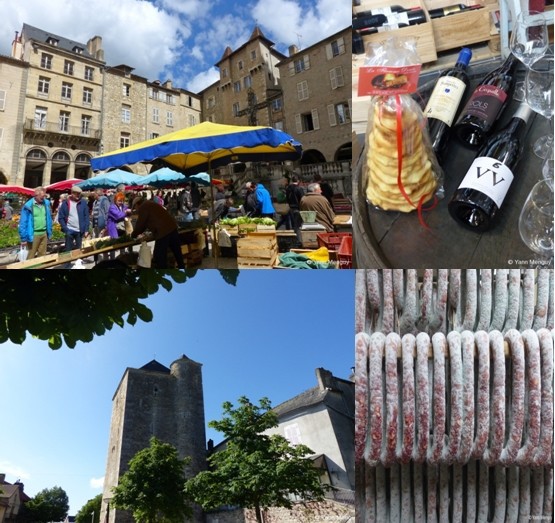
(83,158)
(36,154)
(61,156)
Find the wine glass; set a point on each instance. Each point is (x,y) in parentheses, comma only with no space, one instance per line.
(536,219)
(539,96)
(547,168)
(529,42)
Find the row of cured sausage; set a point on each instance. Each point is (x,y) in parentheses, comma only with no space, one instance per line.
(441,300)
(469,401)
(475,492)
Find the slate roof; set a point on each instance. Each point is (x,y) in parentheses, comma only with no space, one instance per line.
(39,35)
(154,366)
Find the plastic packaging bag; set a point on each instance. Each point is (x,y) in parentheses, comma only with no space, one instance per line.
(145,256)
(22,254)
(402,171)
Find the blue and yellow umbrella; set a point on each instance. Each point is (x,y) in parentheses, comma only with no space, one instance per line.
(206,146)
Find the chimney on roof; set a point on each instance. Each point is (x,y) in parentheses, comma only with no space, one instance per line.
(325,379)
(167,84)
(94,47)
(2,478)
(293,49)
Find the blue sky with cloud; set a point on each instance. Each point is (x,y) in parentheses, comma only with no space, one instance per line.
(179,40)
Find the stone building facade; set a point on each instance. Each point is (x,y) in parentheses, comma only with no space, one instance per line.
(317,97)
(155,401)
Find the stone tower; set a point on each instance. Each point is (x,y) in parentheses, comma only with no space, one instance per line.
(161,402)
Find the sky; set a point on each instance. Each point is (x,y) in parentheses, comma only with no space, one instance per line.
(179,40)
(264,337)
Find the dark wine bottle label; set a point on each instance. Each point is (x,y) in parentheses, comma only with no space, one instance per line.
(485,103)
(445,99)
(489,176)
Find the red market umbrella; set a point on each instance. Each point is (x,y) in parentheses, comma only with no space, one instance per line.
(17,189)
(63,185)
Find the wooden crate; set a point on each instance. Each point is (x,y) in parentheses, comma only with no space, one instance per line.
(464,28)
(422,33)
(257,250)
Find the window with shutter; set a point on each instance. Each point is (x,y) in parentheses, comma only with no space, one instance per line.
(298,124)
(302,90)
(331,115)
(315,119)
(2,100)
(336,77)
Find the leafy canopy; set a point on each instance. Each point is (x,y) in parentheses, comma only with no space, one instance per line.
(90,507)
(152,487)
(48,505)
(71,306)
(255,470)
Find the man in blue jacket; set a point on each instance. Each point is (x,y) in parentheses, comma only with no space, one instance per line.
(35,224)
(74,219)
(264,202)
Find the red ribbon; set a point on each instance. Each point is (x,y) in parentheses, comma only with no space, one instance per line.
(419,208)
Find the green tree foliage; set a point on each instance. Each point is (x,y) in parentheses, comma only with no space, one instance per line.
(85,515)
(255,470)
(48,505)
(152,487)
(71,306)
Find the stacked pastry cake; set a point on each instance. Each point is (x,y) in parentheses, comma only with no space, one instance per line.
(417,176)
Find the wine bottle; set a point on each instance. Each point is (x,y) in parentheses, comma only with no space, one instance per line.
(410,17)
(382,29)
(382,11)
(445,100)
(451,9)
(481,193)
(486,103)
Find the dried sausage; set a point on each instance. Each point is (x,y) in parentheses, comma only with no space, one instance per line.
(443,493)
(406,497)
(500,494)
(422,397)
(362,342)
(407,322)
(381,494)
(454,293)
(471,299)
(483,492)
(500,300)
(484,319)
(482,403)
(544,452)
(388,312)
(532,346)
(457,493)
(542,300)
(399,289)
(548,494)
(423,323)
(418,487)
(549,323)
(439,348)
(524,494)
(408,344)
(497,429)
(536,503)
(471,491)
(374,299)
(514,300)
(394,494)
(361,319)
(467,434)
(455,360)
(392,345)
(369,514)
(512,495)
(440,316)
(432,493)
(374,440)
(528,299)
(510,450)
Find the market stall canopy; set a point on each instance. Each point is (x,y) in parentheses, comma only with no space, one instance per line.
(167,178)
(17,189)
(63,185)
(111,180)
(205,146)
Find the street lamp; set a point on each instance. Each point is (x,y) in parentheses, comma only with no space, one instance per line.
(92,516)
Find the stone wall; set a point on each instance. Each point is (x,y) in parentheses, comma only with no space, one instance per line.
(312,512)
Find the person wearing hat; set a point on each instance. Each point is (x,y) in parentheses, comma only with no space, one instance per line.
(73,216)
(35,223)
(163,227)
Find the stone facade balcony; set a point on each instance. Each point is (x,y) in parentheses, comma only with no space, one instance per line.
(42,131)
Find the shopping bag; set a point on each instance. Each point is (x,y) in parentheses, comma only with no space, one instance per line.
(145,256)
(22,254)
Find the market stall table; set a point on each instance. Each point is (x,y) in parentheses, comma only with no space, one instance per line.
(398,240)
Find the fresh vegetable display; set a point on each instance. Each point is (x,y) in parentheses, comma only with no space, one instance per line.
(245,219)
